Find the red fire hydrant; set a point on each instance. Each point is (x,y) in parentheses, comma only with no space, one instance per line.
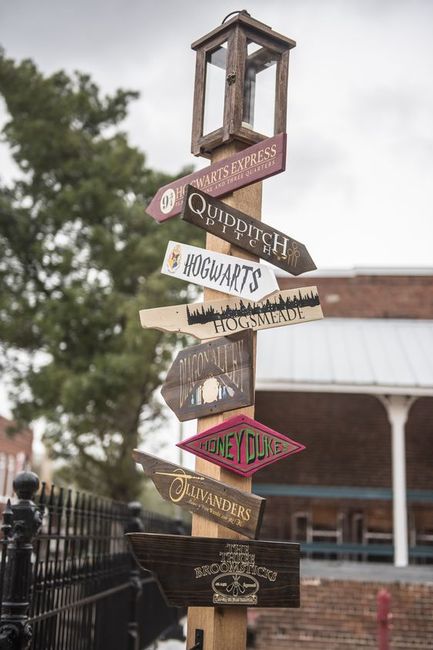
(383,618)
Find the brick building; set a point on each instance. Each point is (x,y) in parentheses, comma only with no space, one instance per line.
(15,455)
(357,389)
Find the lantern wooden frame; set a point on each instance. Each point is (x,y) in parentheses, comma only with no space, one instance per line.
(237,32)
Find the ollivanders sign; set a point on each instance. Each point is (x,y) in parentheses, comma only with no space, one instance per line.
(253,164)
(224,273)
(212,377)
(246,232)
(228,316)
(214,500)
(220,572)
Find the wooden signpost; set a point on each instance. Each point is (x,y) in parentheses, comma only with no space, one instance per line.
(240,511)
(251,165)
(211,319)
(244,231)
(241,445)
(225,273)
(207,572)
(211,377)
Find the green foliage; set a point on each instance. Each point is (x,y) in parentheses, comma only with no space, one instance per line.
(78,259)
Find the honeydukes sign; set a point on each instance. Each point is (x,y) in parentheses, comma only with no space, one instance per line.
(241,445)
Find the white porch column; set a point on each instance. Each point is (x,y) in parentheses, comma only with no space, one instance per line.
(397,408)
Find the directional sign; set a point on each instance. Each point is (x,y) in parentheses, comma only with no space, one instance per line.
(241,445)
(208,320)
(246,232)
(207,572)
(211,378)
(250,165)
(239,511)
(225,273)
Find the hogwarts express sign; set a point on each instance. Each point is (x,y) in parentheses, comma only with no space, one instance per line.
(209,572)
(253,164)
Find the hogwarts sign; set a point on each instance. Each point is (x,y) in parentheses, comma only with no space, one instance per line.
(208,572)
(250,165)
(241,445)
(246,232)
(225,505)
(224,273)
(218,317)
(211,377)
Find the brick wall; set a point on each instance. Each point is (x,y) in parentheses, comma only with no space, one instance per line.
(339,615)
(19,442)
(371,296)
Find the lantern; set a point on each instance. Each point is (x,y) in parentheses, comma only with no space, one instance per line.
(240,90)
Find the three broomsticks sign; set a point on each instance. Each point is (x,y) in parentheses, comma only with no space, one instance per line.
(221,569)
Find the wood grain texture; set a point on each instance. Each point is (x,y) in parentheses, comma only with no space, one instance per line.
(221,317)
(211,378)
(206,572)
(218,502)
(245,232)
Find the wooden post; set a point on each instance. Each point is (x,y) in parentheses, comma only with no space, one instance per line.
(224,627)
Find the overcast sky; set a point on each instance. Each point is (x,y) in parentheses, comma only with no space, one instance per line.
(358,188)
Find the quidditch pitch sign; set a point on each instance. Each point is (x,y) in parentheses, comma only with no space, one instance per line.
(207,572)
(224,273)
(246,232)
(214,500)
(250,165)
(221,317)
(241,445)
(211,377)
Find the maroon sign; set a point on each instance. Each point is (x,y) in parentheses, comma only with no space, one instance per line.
(250,165)
(241,445)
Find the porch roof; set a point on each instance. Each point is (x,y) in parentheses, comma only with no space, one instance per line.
(352,355)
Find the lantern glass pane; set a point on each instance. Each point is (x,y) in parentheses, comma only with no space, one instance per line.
(259,89)
(216,65)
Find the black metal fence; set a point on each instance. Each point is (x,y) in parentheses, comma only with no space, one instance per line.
(67,578)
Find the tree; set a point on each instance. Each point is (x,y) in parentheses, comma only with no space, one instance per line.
(78,259)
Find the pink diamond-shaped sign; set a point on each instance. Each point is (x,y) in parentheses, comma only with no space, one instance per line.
(241,445)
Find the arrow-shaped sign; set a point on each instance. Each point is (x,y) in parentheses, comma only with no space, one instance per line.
(218,317)
(242,445)
(227,506)
(250,165)
(224,273)
(211,377)
(245,232)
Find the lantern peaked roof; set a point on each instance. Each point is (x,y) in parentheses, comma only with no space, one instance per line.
(348,355)
(244,18)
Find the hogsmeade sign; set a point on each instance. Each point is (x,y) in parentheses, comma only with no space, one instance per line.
(211,378)
(240,511)
(241,445)
(224,273)
(253,164)
(208,572)
(218,317)
(246,232)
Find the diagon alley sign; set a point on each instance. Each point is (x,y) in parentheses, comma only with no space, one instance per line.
(246,232)
(240,511)
(250,165)
(221,317)
(241,445)
(212,377)
(209,572)
(225,273)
